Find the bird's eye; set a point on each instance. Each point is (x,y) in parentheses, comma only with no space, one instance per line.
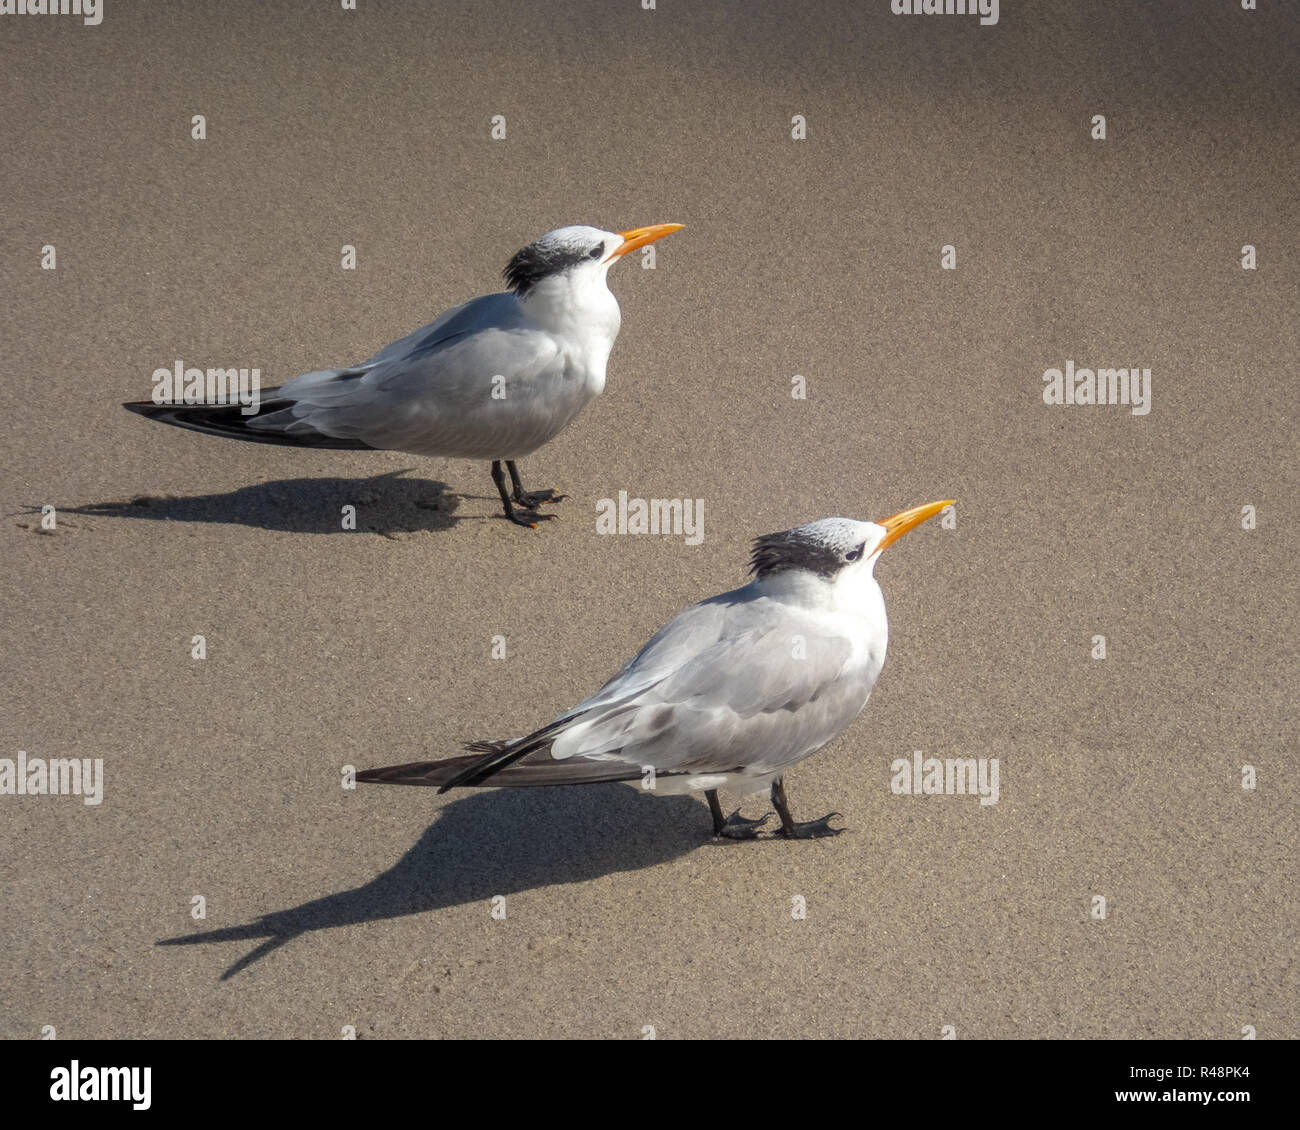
(854,554)
(596,252)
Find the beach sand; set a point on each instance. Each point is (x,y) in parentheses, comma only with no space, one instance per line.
(373,908)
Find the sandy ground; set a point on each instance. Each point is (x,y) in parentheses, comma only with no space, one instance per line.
(325,907)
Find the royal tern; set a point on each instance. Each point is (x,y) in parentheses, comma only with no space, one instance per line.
(730,694)
(494,378)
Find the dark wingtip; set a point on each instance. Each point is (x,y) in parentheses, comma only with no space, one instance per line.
(424,773)
(385,774)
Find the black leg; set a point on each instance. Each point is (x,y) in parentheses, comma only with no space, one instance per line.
(716,809)
(735,826)
(529,499)
(525,517)
(810,830)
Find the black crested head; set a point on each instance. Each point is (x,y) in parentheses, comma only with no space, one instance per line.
(822,548)
(534,263)
(555,252)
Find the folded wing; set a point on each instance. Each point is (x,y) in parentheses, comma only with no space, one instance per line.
(738,680)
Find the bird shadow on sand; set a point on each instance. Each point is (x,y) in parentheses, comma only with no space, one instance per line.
(497,843)
(385,504)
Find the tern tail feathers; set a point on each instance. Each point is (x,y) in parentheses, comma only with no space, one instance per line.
(496,764)
(498,756)
(464,770)
(228,420)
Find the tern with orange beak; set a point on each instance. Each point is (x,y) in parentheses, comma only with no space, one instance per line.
(494,378)
(730,694)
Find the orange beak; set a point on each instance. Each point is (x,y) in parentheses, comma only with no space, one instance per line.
(897,525)
(639,237)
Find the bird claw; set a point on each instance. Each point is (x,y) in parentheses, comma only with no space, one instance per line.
(529,518)
(532,499)
(736,827)
(810,829)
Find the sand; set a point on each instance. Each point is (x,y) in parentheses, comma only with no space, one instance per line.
(373,908)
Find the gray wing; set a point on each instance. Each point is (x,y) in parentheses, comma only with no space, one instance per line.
(431,392)
(737,680)
(466,318)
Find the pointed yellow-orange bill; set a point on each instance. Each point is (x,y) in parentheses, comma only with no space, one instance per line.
(898,524)
(639,237)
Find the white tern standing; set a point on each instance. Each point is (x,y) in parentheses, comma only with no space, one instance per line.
(493,378)
(729,694)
